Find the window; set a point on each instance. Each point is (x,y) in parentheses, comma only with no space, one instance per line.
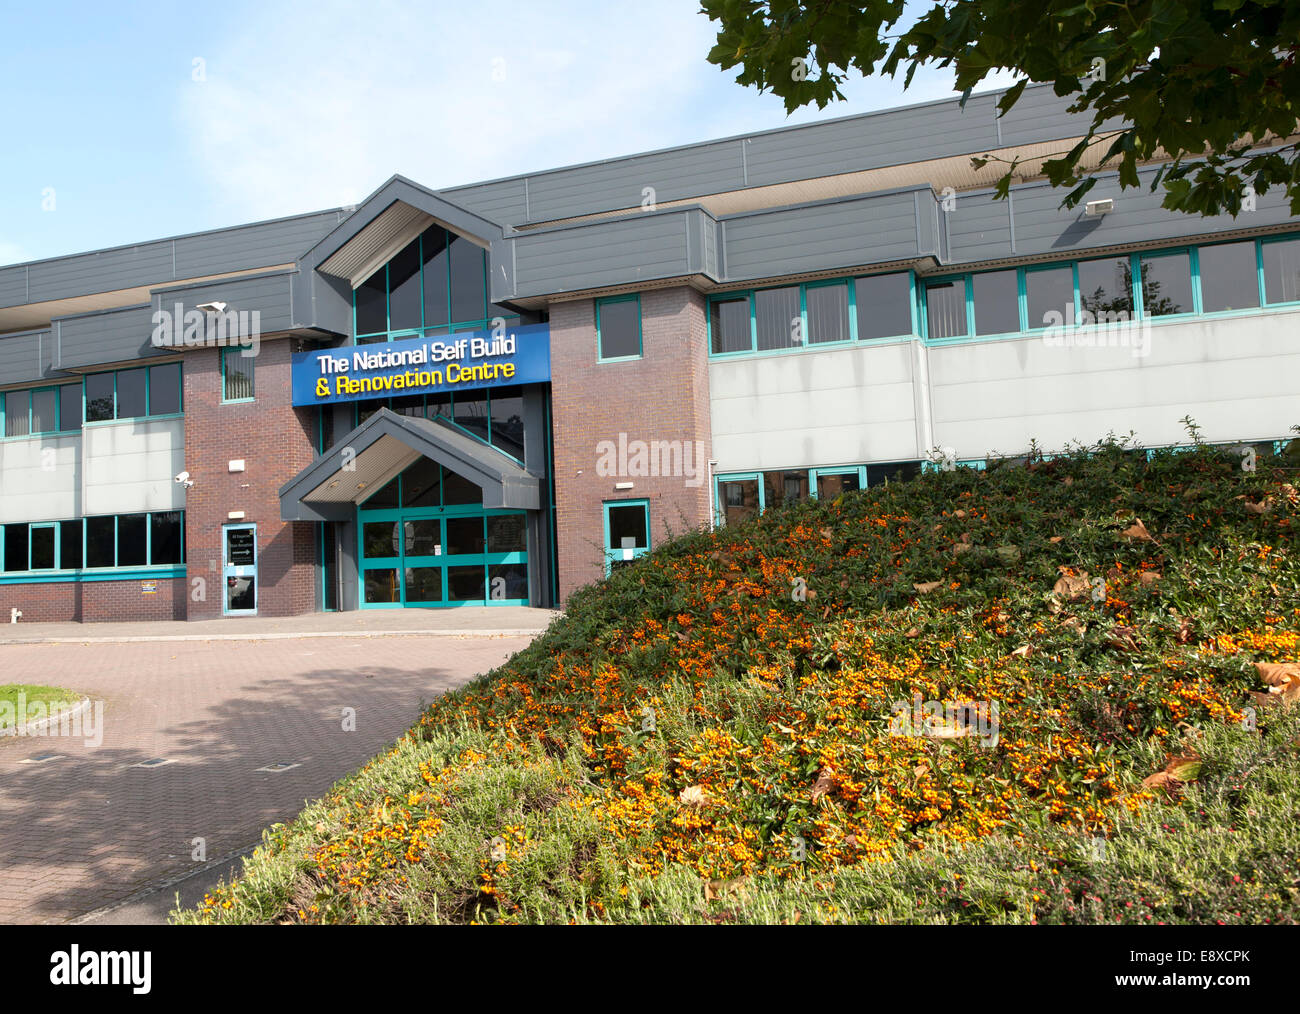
(468,278)
(832,484)
(777,319)
(45,410)
(1049,294)
(17,418)
(131,394)
(618,327)
(738,500)
(1105,290)
(165,537)
(730,325)
(371,302)
(897,471)
(236,375)
(43,543)
(101,541)
(1281,270)
(1167,284)
(70,544)
(15,547)
(436,306)
(884,305)
(1229,277)
(70,407)
(627,532)
(784,487)
(507,407)
(945,308)
(828,313)
(132,544)
(99,397)
(165,389)
(405,309)
(997,302)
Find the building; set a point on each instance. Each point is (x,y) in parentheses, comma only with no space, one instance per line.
(494,393)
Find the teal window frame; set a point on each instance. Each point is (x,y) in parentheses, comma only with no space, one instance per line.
(450,420)
(60,429)
(1263,282)
(634,297)
(86,573)
(148,396)
(252,373)
(613,555)
(1139,290)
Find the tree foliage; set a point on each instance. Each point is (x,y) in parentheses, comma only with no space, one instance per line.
(1209,86)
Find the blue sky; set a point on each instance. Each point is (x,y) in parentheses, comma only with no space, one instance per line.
(135,120)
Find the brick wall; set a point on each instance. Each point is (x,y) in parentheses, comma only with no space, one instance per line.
(276,441)
(663,396)
(94,601)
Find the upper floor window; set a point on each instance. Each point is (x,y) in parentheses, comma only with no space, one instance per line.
(43,410)
(618,327)
(129,394)
(236,375)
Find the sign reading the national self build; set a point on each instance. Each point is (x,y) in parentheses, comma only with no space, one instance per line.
(459,362)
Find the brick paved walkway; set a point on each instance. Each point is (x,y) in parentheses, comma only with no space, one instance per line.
(90,829)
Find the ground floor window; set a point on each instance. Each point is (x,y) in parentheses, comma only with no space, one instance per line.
(744,495)
(627,532)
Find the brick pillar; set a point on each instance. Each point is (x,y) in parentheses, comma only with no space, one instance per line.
(661,397)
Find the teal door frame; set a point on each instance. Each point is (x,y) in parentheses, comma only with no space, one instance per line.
(237,572)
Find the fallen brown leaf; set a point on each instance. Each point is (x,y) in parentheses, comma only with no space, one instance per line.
(927,587)
(825,780)
(1072,586)
(1137,530)
(1282,678)
(693,795)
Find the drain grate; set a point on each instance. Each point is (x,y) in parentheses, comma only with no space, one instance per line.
(42,758)
(279,766)
(153,762)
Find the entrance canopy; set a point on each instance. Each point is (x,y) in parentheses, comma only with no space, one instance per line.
(362,462)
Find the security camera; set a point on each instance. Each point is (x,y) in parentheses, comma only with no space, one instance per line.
(211,307)
(184,479)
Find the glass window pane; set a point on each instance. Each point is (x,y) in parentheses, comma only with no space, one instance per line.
(1167,284)
(130,394)
(465,584)
(505,533)
(620,328)
(165,389)
(435,276)
(1229,277)
(464,536)
(99,397)
(1105,290)
(1282,271)
(382,585)
(945,308)
(42,547)
(777,317)
(70,407)
(471,411)
(378,540)
(884,305)
(739,499)
(784,487)
(508,581)
(165,537)
(828,313)
(507,407)
(831,486)
(101,541)
(1050,297)
(132,550)
(468,276)
(457,490)
(997,302)
(424,538)
(729,321)
(437,404)
(382,498)
(70,545)
(45,410)
(898,471)
(15,547)
(17,417)
(421,484)
(630,521)
(372,303)
(404,301)
(239,381)
(423,584)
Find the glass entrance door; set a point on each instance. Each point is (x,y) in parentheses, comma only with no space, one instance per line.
(239,570)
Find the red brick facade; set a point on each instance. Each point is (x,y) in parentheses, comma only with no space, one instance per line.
(663,396)
(275,441)
(95,601)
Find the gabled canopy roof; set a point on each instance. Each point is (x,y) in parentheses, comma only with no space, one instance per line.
(383,446)
(384,223)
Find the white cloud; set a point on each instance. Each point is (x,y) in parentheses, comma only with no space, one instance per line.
(12,253)
(314,105)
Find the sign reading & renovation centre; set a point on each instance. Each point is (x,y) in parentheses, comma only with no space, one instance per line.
(458,362)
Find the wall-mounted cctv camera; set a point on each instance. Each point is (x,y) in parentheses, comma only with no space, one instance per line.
(184,479)
(211,307)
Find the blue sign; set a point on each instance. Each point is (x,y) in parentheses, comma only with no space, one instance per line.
(458,362)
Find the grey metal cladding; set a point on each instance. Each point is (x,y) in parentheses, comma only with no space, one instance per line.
(110,336)
(979,228)
(609,252)
(269,294)
(13,285)
(505,203)
(872,228)
(102,271)
(252,246)
(26,357)
(321,301)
